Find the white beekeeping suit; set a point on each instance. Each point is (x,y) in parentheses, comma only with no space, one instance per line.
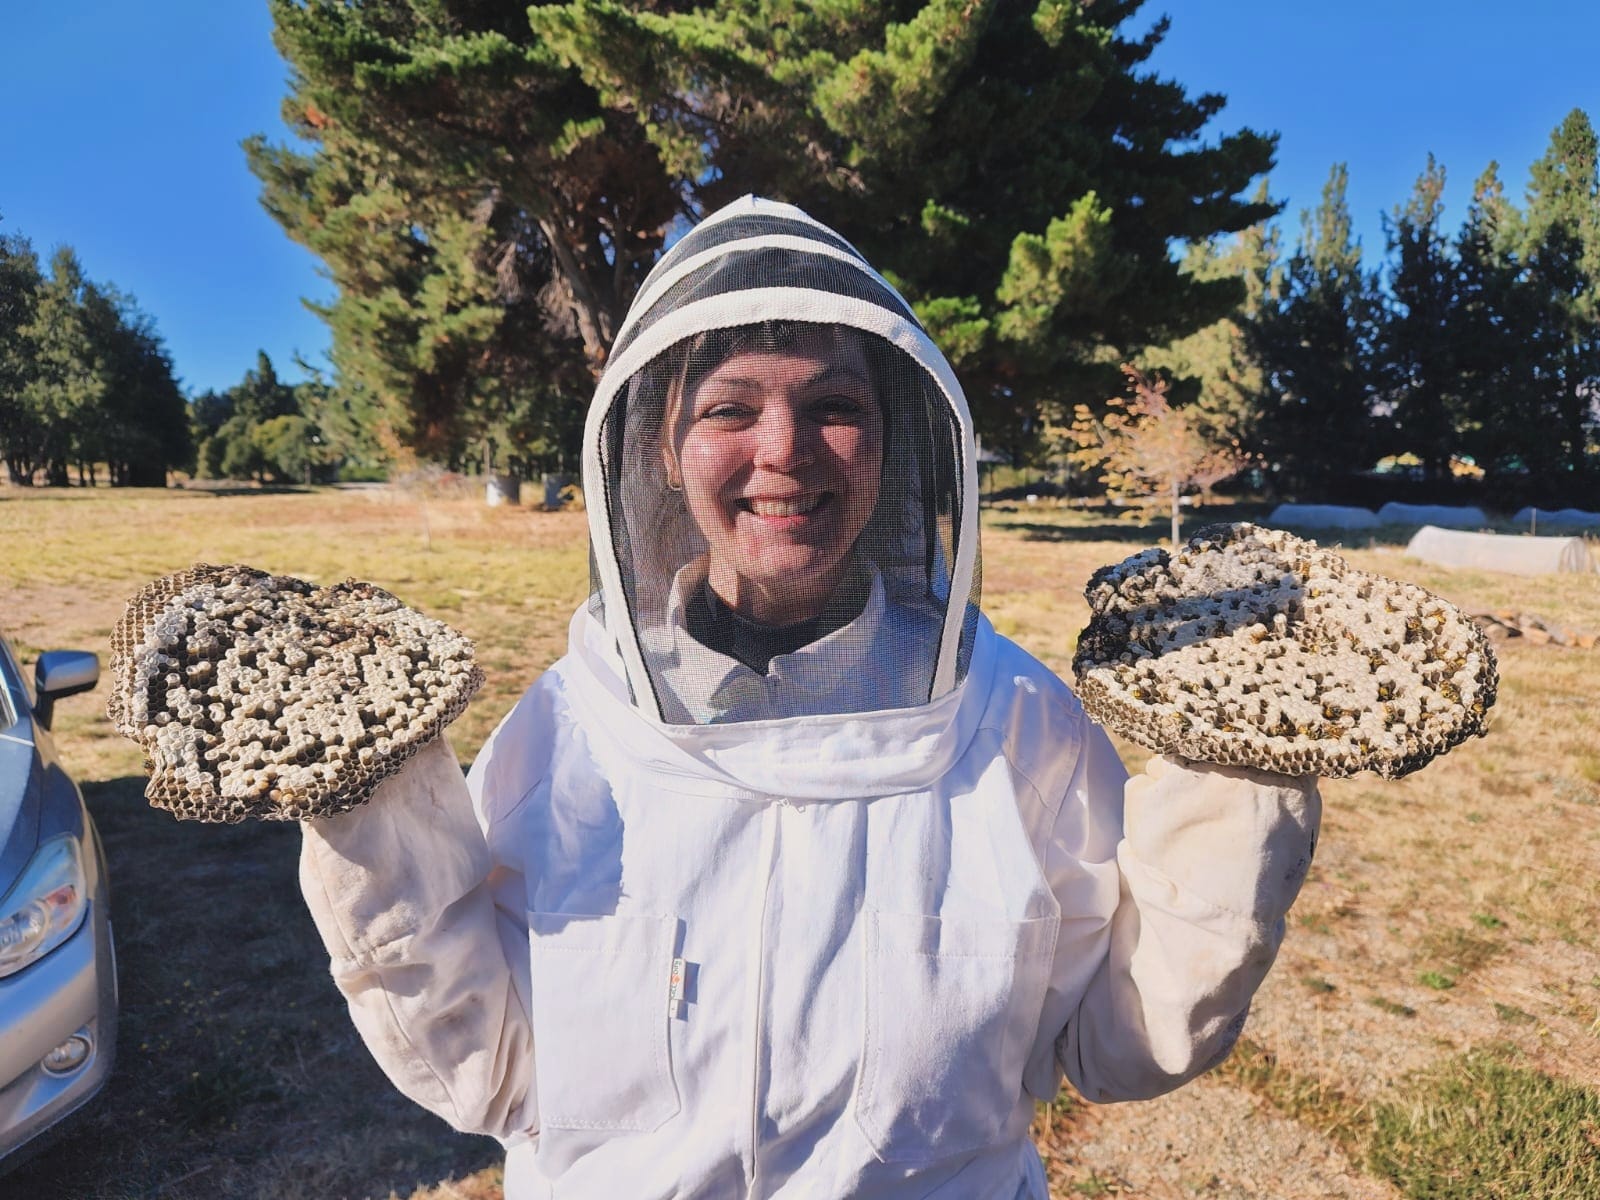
(793,878)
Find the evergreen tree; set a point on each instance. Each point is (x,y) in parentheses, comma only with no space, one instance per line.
(21,430)
(142,422)
(84,378)
(1216,370)
(491,182)
(1506,411)
(264,429)
(261,395)
(1561,254)
(1315,343)
(290,448)
(1418,351)
(343,429)
(232,450)
(69,380)
(208,413)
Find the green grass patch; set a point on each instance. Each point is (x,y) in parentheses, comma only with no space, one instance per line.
(1475,1127)
(1437,980)
(1479,1127)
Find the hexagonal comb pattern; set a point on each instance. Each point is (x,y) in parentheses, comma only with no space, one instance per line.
(264,696)
(1251,647)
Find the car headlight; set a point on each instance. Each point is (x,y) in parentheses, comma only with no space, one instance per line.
(45,906)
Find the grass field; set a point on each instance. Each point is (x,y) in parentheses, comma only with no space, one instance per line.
(1431,1029)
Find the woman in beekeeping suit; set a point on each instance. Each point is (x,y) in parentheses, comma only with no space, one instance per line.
(793,877)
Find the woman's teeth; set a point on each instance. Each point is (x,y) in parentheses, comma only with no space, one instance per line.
(783,508)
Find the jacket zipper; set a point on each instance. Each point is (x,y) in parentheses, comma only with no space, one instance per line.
(769,861)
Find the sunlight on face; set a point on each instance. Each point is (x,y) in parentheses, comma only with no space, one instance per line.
(779,454)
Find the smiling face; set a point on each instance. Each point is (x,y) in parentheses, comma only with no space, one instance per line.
(779,454)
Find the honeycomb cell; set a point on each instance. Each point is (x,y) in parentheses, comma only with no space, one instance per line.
(288,669)
(1320,648)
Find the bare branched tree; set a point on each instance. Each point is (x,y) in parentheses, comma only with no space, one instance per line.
(1149,454)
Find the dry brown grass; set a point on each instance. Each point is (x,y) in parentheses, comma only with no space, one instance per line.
(240,1077)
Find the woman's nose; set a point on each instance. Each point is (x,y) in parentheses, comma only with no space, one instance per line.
(782,441)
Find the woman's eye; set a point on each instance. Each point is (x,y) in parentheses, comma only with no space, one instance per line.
(726,412)
(840,408)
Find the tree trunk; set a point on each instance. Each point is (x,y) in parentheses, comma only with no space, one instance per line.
(1176,519)
(596,324)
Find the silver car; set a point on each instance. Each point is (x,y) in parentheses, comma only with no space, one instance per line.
(58,979)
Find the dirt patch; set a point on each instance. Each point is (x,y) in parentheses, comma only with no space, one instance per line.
(1206,1140)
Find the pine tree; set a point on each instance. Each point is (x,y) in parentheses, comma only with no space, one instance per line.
(1506,412)
(142,420)
(490,183)
(1561,253)
(70,378)
(343,423)
(84,378)
(1216,370)
(1315,344)
(21,430)
(1418,344)
(234,450)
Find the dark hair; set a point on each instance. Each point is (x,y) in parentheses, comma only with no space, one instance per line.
(691,360)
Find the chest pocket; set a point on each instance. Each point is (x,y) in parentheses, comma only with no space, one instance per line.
(952,1009)
(602,1063)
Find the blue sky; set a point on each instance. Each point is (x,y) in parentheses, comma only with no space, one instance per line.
(123,122)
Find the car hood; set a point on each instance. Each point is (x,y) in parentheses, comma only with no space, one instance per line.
(20,793)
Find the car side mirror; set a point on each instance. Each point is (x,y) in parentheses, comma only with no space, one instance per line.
(58,674)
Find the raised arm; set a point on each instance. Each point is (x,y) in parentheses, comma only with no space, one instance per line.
(402,890)
(1206,861)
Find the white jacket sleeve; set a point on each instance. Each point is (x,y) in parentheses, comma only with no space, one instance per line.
(1208,861)
(401,892)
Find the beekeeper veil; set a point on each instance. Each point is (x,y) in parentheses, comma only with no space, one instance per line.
(781,484)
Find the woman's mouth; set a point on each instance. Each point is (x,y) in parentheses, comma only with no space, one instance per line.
(791,506)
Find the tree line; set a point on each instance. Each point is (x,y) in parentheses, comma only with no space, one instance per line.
(266,430)
(86,382)
(487,185)
(1473,355)
(85,379)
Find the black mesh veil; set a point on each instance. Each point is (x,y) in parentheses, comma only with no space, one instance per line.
(781,485)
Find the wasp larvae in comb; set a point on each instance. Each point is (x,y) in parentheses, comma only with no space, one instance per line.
(265,696)
(1273,653)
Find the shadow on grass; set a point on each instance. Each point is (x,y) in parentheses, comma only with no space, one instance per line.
(1038,531)
(238,1071)
(245,489)
(1102,526)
